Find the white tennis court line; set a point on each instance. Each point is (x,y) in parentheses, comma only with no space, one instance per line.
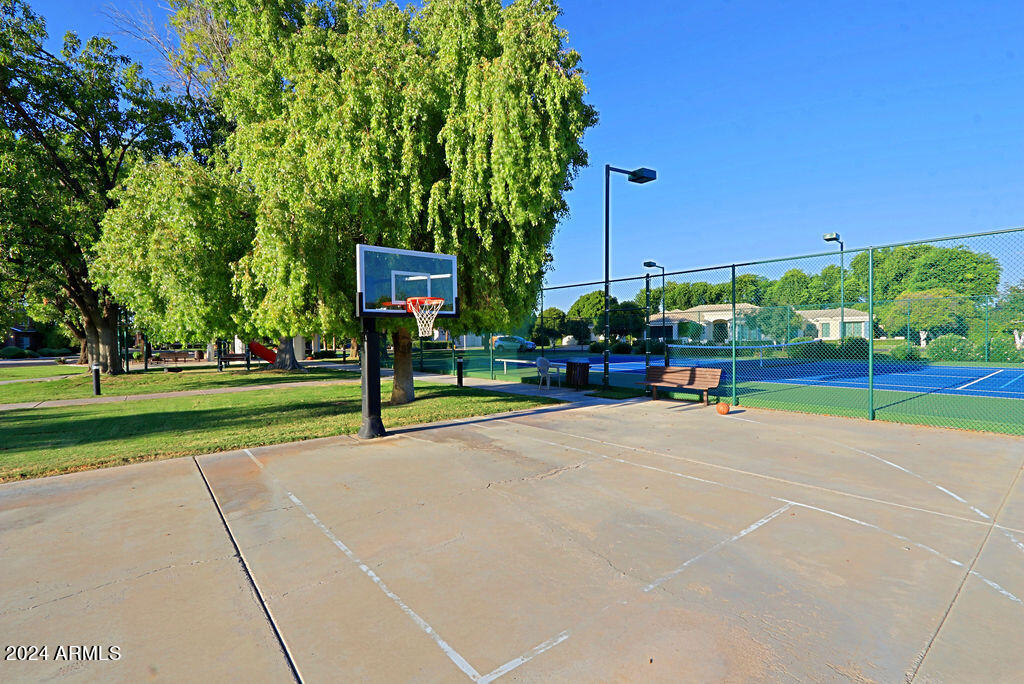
(980,379)
(895,535)
(452,654)
(743,533)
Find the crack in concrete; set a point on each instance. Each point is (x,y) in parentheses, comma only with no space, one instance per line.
(119,580)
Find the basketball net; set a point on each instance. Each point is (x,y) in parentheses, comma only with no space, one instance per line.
(425,309)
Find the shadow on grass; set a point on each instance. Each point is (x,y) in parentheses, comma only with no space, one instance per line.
(181,428)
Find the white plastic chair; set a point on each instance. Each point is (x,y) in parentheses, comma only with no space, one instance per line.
(543,372)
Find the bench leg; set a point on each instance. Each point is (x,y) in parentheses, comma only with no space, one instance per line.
(654,392)
(705,397)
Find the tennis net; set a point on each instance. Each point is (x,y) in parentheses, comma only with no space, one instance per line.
(761,355)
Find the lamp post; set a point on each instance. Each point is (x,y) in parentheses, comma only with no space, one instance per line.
(834,237)
(654,264)
(640,176)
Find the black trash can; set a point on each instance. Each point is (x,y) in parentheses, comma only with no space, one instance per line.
(577,373)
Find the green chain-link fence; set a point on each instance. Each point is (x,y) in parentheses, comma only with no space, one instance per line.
(928,332)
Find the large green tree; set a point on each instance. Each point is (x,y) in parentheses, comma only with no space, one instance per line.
(71,124)
(454,127)
(171,244)
(938,311)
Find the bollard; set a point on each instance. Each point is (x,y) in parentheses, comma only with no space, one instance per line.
(458,371)
(96,379)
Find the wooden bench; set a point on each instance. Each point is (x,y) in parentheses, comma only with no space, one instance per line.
(682,378)
(174,356)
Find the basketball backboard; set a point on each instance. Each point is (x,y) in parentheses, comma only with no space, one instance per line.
(386,277)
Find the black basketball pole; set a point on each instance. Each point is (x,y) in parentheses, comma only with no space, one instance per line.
(369,361)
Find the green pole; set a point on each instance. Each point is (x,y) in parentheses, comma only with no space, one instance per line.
(421,355)
(871,333)
(733,336)
(647,323)
(987,340)
(908,324)
(490,351)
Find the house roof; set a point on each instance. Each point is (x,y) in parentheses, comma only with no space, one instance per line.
(848,314)
(673,316)
(717,308)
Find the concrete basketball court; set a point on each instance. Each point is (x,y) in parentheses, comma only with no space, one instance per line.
(645,541)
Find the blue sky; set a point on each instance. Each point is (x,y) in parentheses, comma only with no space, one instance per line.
(770,123)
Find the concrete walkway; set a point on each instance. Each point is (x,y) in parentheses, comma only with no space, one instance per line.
(641,541)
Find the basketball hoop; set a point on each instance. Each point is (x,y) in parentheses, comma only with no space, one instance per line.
(425,310)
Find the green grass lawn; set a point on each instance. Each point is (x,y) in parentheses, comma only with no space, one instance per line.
(47,371)
(156,380)
(37,442)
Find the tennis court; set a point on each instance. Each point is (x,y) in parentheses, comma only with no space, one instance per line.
(933,379)
(636,541)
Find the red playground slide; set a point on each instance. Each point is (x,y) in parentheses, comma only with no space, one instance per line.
(262,352)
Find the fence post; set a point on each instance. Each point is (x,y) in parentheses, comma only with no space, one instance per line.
(908,325)
(987,341)
(647,322)
(542,334)
(733,335)
(871,333)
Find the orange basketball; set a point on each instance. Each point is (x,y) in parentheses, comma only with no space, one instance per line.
(723,408)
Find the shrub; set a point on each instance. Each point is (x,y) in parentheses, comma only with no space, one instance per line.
(658,347)
(52,351)
(854,348)
(809,348)
(1002,349)
(31,353)
(905,353)
(597,347)
(156,357)
(324,354)
(13,353)
(622,347)
(540,340)
(435,344)
(137,356)
(953,348)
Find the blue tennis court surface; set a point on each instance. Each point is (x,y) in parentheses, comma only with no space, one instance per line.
(989,381)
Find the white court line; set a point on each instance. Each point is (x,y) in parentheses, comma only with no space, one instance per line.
(664,578)
(895,535)
(452,654)
(980,379)
(526,657)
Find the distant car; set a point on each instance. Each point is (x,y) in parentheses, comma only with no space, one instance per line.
(513,343)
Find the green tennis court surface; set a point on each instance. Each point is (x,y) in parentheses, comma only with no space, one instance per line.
(647,541)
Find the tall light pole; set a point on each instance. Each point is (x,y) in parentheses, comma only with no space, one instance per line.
(654,264)
(834,237)
(640,176)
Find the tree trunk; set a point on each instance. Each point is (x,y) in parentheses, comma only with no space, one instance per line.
(110,351)
(83,354)
(1018,339)
(402,390)
(286,356)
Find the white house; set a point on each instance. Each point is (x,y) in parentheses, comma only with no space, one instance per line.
(715,323)
(826,322)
